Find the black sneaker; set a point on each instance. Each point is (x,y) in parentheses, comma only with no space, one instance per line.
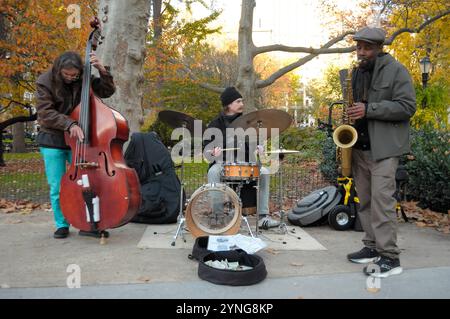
(384,267)
(61,232)
(364,256)
(95,233)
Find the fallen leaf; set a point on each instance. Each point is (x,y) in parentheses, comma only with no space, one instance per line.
(272,251)
(420,224)
(144,279)
(297,264)
(373,290)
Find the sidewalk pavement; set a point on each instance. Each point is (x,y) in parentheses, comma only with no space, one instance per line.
(34,265)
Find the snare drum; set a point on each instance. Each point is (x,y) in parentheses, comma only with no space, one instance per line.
(213,209)
(240,171)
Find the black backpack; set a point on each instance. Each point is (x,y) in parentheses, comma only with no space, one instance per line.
(160,186)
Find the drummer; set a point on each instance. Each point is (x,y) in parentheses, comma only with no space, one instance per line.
(233,106)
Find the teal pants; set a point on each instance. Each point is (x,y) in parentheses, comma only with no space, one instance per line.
(55,167)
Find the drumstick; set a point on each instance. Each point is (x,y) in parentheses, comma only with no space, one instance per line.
(224,149)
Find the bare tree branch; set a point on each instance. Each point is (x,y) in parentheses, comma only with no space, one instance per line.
(26,105)
(17,119)
(188,72)
(26,85)
(275,76)
(415,30)
(326,50)
(279,47)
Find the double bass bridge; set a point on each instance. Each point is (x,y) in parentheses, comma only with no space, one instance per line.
(87,165)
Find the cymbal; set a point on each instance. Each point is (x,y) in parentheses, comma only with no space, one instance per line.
(267,119)
(177,119)
(282,151)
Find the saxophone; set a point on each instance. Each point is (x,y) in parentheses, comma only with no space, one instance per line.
(345,135)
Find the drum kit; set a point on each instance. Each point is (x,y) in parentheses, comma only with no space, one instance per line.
(202,216)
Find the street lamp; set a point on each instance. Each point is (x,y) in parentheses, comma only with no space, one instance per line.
(425,68)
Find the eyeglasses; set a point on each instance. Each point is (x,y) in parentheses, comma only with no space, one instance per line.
(70,76)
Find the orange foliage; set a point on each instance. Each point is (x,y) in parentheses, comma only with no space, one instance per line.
(36,33)
(286,90)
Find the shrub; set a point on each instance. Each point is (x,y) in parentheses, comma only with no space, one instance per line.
(307,140)
(429,171)
(328,166)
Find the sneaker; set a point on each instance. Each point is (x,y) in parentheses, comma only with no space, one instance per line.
(268,222)
(61,232)
(95,233)
(384,267)
(364,256)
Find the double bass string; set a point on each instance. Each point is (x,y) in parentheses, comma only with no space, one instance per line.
(85,103)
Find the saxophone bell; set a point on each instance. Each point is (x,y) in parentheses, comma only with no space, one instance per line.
(345,135)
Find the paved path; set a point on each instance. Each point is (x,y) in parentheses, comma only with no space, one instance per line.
(30,258)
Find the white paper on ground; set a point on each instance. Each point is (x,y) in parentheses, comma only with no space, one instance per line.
(249,244)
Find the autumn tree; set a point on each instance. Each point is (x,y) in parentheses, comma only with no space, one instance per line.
(247,81)
(32,34)
(408,48)
(434,42)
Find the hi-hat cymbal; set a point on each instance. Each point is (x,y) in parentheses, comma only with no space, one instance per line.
(177,119)
(267,119)
(282,151)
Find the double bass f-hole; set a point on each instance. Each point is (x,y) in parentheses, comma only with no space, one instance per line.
(113,172)
(75,175)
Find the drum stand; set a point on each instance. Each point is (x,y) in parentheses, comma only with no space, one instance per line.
(283,228)
(238,192)
(181,218)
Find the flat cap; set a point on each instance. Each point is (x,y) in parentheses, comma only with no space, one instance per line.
(371,35)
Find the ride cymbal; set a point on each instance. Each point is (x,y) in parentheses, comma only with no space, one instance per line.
(267,119)
(177,119)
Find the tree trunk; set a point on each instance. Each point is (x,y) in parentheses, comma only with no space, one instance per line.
(2,160)
(18,132)
(124,28)
(246,81)
(157,27)
(3,33)
(157,34)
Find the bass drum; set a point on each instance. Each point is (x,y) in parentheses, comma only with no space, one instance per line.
(214,209)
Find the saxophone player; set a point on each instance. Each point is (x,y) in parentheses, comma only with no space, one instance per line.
(384,102)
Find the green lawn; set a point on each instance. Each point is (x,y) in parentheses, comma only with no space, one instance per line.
(21,156)
(24,178)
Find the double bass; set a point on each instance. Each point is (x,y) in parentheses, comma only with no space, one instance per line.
(99,191)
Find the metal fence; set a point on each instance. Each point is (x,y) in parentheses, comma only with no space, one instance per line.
(24,179)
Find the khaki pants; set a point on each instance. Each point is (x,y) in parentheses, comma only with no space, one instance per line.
(375,186)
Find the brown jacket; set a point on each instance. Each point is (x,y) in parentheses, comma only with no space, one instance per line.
(53,111)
